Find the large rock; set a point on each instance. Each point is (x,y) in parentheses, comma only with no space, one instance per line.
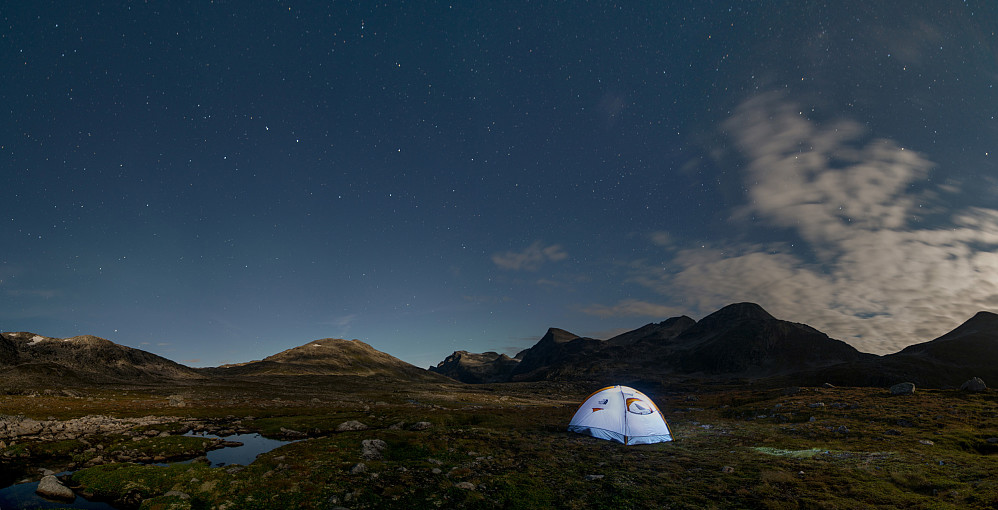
(351,425)
(372,449)
(50,487)
(905,388)
(975,384)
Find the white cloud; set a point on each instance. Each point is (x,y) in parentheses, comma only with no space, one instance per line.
(876,275)
(633,308)
(531,258)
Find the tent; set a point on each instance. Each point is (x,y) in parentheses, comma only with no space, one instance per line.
(621,414)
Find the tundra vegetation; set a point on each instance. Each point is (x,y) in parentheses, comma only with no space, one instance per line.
(364,444)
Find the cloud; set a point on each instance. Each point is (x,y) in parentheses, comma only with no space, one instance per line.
(870,270)
(633,308)
(531,258)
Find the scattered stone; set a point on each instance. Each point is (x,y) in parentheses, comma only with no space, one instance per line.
(51,487)
(812,419)
(397,426)
(358,468)
(828,385)
(816,405)
(926,442)
(842,429)
(293,433)
(421,425)
(992,440)
(892,432)
(371,449)
(590,478)
(434,461)
(691,398)
(176,401)
(975,385)
(727,469)
(436,471)
(468,486)
(182,495)
(351,425)
(905,388)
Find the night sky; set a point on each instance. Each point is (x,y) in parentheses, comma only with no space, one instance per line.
(216,182)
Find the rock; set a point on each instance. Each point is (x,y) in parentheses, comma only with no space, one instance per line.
(975,384)
(176,401)
(590,478)
(727,469)
(178,494)
(926,442)
(842,429)
(351,425)
(905,388)
(51,487)
(468,486)
(992,440)
(358,468)
(421,425)
(371,449)
(828,385)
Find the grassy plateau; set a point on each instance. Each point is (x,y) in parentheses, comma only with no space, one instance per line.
(505,446)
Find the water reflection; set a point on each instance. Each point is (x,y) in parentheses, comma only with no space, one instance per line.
(22,496)
(253,445)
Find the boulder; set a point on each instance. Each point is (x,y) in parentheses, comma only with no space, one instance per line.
(371,449)
(975,385)
(905,388)
(421,425)
(351,425)
(50,487)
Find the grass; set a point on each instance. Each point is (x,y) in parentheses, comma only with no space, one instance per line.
(505,446)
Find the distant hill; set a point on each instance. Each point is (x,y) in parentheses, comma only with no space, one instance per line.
(34,359)
(329,356)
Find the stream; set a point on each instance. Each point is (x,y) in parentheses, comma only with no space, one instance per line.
(22,495)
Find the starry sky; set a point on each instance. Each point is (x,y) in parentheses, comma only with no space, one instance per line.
(218,181)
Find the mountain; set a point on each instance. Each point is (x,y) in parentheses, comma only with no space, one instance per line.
(744,340)
(329,356)
(970,350)
(665,330)
(487,367)
(741,340)
(27,357)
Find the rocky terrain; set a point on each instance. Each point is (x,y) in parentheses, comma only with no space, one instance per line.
(763,411)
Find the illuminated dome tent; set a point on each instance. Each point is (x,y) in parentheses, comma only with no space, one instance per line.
(621,414)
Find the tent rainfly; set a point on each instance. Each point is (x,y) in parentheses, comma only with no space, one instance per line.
(621,414)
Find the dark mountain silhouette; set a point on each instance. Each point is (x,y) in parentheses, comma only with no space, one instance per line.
(741,340)
(970,350)
(27,357)
(487,367)
(665,330)
(744,340)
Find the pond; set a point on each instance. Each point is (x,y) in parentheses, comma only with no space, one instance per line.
(253,445)
(22,495)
